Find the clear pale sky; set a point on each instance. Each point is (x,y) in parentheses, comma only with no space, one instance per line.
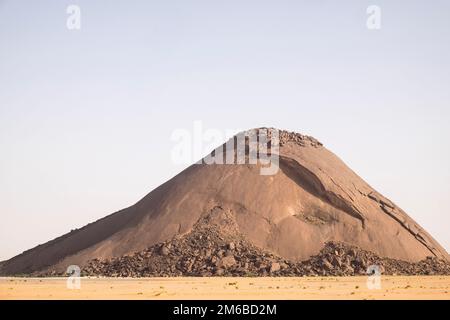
(86,116)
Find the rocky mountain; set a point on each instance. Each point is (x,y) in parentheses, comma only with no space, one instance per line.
(247,220)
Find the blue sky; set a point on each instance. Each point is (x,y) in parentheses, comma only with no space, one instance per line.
(86,116)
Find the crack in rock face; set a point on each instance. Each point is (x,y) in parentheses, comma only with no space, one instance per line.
(399,215)
(311,182)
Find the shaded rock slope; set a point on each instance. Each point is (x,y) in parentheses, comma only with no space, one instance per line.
(290,223)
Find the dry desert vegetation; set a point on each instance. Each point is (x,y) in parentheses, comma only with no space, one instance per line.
(223,288)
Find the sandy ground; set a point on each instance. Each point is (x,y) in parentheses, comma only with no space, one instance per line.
(429,287)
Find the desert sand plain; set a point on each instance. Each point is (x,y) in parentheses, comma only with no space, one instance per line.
(224,288)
